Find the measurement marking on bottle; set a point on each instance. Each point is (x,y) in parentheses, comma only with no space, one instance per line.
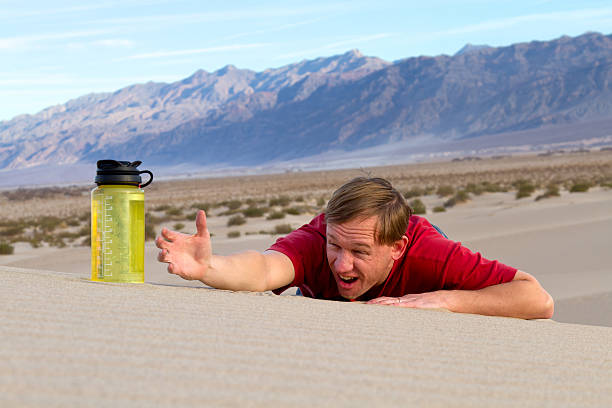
(107,230)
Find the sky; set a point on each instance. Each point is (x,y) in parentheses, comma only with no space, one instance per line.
(51,52)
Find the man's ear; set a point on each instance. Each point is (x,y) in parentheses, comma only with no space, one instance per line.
(399,247)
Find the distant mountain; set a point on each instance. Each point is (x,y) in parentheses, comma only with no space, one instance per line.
(468,48)
(345,102)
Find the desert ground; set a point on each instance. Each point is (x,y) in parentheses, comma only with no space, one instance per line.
(548,214)
(68,341)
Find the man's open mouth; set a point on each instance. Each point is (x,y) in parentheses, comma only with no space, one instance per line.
(347,282)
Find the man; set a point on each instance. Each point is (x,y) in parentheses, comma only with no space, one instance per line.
(367,246)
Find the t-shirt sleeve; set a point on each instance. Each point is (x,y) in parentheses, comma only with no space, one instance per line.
(469,270)
(440,263)
(305,247)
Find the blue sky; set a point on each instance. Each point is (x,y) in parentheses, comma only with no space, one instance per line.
(51,52)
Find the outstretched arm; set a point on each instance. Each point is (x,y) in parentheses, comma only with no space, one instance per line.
(522,297)
(191,258)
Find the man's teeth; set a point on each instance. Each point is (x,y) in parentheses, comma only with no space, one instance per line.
(347,278)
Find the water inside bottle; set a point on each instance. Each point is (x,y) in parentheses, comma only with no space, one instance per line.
(118,234)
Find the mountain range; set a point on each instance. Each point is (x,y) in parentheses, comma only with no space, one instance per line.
(344,103)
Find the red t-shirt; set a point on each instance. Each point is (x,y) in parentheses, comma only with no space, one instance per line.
(430,262)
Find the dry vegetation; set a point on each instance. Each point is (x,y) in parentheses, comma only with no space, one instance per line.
(59,216)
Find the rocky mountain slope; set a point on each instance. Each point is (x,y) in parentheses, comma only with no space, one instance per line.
(346,102)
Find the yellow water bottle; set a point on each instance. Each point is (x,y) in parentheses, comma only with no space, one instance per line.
(118,222)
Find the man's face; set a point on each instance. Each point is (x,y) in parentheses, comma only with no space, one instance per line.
(357,262)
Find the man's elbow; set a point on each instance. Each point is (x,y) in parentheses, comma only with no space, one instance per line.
(548,306)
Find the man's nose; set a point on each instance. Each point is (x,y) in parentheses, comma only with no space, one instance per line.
(343,262)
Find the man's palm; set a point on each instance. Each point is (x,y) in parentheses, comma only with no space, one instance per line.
(188,256)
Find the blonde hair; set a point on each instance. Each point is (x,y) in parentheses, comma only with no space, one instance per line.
(364,197)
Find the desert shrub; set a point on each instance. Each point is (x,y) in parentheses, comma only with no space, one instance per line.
(73,222)
(552,190)
(231,212)
(606,182)
(476,189)
(152,219)
(254,212)
(439,209)
(192,216)
(6,248)
(55,241)
(23,194)
(282,229)
(524,188)
(293,210)
(232,204)
(48,223)
(492,187)
(85,217)
(149,231)
(418,207)
(282,201)
(84,230)
(275,215)
(299,199)
(201,206)
(12,230)
(174,212)
(67,235)
(445,191)
(414,192)
(580,187)
(86,241)
(233,234)
(162,207)
(178,226)
(462,196)
(36,242)
(321,201)
(236,220)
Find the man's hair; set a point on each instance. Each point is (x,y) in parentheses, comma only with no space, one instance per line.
(364,197)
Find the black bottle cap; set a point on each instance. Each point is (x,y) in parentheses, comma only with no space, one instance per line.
(120,172)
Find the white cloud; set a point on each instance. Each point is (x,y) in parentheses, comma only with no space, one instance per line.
(274,29)
(114,43)
(228,15)
(25,41)
(558,16)
(162,54)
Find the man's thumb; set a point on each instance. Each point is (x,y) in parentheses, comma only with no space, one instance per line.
(201,224)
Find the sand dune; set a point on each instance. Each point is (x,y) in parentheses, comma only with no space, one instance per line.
(66,341)
(563,241)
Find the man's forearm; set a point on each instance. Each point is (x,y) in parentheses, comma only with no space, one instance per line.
(520,298)
(244,271)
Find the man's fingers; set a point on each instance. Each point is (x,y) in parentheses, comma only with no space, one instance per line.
(169,235)
(383,301)
(161,243)
(201,224)
(163,256)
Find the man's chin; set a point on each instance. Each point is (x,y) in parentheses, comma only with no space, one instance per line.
(350,293)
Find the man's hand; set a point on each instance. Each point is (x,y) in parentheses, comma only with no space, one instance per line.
(188,256)
(428,300)
(523,297)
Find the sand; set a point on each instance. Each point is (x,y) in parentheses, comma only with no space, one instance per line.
(66,341)
(563,241)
